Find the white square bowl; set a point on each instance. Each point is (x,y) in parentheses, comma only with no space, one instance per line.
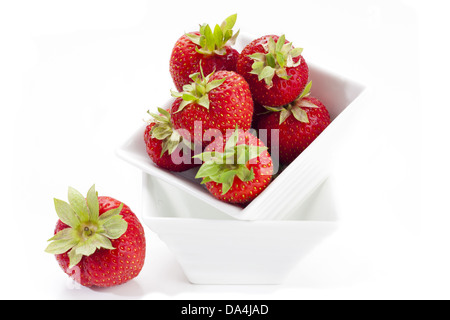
(295,212)
(342,97)
(213,248)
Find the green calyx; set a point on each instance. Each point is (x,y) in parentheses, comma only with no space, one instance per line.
(164,130)
(296,107)
(88,230)
(275,60)
(214,42)
(197,91)
(223,167)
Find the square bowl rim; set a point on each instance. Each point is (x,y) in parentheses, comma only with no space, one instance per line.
(234,211)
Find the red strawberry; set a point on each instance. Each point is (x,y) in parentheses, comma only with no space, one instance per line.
(299,123)
(274,70)
(209,49)
(236,169)
(212,105)
(258,110)
(98,241)
(165,146)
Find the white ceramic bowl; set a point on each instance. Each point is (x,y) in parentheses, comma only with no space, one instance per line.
(343,98)
(209,238)
(213,248)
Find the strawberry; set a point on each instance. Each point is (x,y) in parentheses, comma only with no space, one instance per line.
(299,123)
(98,241)
(274,70)
(258,110)
(237,169)
(211,105)
(165,146)
(208,49)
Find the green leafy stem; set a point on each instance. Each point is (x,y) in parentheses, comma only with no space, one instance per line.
(223,167)
(214,42)
(88,231)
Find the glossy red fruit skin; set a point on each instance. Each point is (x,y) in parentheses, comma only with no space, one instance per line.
(295,136)
(185,60)
(231,105)
(258,111)
(154,148)
(241,192)
(283,91)
(106,268)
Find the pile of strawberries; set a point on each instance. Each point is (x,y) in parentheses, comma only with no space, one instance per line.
(224,101)
(234,116)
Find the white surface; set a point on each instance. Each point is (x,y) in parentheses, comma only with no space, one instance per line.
(77,77)
(293,186)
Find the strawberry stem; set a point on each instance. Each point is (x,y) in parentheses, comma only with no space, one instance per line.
(87,231)
(295,108)
(197,91)
(223,167)
(274,61)
(163,130)
(213,42)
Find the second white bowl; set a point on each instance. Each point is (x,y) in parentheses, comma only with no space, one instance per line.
(213,248)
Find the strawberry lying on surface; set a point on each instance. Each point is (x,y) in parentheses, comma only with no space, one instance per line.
(98,241)
(209,49)
(299,123)
(275,70)
(165,146)
(236,169)
(211,105)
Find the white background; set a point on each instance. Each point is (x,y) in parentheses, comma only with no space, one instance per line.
(77,77)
